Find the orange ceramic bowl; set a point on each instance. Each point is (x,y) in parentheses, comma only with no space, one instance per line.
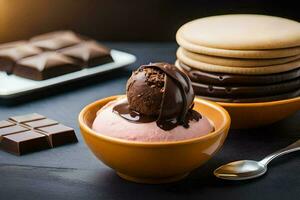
(251,115)
(155,162)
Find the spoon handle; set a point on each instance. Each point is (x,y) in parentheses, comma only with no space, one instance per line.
(291,148)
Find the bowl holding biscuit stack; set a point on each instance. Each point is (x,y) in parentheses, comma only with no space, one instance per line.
(249,64)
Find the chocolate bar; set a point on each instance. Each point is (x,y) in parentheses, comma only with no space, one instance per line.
(33,132)
(52,54)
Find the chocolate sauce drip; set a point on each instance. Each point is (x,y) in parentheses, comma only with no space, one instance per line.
(123,109)
(176,105)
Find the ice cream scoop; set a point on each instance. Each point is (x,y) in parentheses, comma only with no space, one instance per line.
(145,89)
(159,92)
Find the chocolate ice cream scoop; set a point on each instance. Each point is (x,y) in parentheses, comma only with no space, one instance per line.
(159,92)
(145,89)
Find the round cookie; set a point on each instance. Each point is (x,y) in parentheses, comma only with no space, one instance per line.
(237,62)
(242,31)
(245,91)
(278,97)
(238,70)
(256,54)
(212,78)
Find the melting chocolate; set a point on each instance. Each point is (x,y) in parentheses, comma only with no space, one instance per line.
(177,101)
(123,109)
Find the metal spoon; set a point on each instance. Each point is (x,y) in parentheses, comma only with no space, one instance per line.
(248,169)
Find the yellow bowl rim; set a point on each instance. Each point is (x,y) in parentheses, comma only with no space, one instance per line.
(260,104)
(224,126)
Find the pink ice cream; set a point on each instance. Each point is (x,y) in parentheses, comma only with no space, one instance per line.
(111,124)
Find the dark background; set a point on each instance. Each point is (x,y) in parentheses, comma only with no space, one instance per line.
(120,20)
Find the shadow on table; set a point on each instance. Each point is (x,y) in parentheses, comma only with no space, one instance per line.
(65,87)
(103,183)
(195,185)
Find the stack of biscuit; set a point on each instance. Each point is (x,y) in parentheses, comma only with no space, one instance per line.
(241,58)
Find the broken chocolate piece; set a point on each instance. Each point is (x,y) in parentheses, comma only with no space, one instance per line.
(33,132)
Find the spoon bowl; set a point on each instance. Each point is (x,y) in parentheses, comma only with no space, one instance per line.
(241,170)
(248,169)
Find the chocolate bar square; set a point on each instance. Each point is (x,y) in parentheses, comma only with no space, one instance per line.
(24,142)
(9,56)
(88,54)
(11,129)
(5,123)
(44,66)
(59,134)
(55,40)
(41,123)
(27,118)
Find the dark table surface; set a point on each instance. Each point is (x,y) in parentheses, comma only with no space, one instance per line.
(72,172)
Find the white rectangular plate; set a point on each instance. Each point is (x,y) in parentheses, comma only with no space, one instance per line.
(12,86)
